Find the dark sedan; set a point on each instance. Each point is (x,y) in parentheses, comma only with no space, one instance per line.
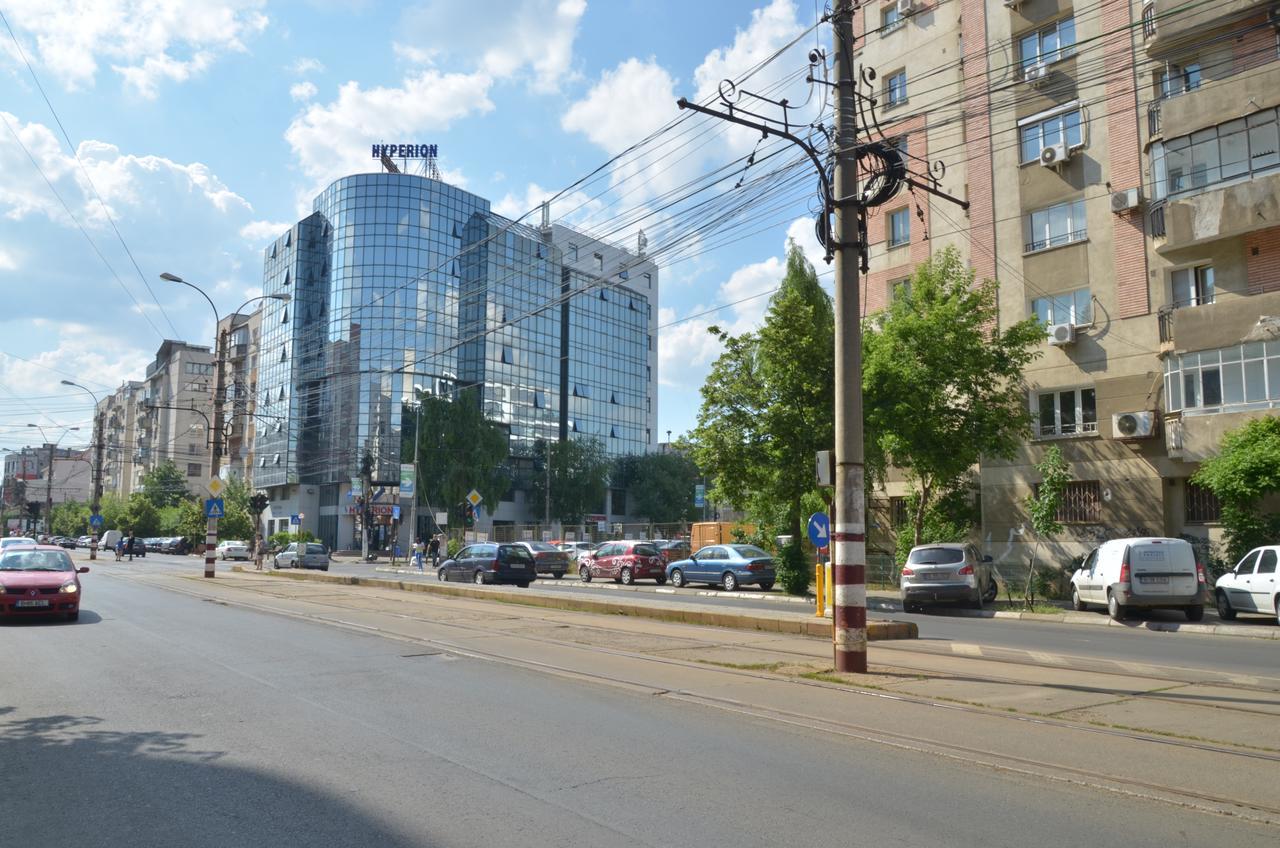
(486,563)
(730,566)
(548,559)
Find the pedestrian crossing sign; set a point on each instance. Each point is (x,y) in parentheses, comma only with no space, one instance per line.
(213,508)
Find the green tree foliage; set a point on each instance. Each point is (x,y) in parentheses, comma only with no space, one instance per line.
(141,515)
(950,518)
(113,510)
(70,519)
(284,538)
(660,485)
(941,383)
(1043,507)
(1244,474)
(768,406)
(165,485)
(579,478)
(458,450)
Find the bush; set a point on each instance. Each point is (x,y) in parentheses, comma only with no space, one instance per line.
(454,545)
(793,571)
(284,538)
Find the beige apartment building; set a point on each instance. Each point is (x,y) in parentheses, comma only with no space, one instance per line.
(245,331)
(122,465)
(1122,165)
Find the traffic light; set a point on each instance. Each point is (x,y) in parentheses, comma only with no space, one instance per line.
(259,502)
(468,515)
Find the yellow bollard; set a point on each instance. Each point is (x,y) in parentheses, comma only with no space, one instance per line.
(830,589)
(821,591)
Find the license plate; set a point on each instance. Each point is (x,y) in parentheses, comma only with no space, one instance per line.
(517,565)
(33,603)
(937,576)
(1154,580)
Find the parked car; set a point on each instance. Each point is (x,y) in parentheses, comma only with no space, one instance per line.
(39,580)
(576,549)
(487,562)
(231,549)
(68,542)
(1147,573)
(303,555)
(730,566)
(109,539)
(950,572)
(15,541)
(84,542)
(1251,587)
(139,546)
(548,559)
(625,562)
(676,549)
(174,545)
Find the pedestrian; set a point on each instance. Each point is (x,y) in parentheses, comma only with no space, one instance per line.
(260,550)
(433,549)
(119,548)
(417,553)
(128,545)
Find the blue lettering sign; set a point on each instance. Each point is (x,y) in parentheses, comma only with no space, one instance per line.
(405,151)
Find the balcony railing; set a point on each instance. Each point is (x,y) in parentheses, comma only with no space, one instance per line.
(1153,119)
(1057,240)
(1155,213)
(1165,316)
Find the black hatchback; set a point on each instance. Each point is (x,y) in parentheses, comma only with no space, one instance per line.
(487,562)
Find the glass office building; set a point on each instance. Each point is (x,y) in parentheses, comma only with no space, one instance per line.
(399,279)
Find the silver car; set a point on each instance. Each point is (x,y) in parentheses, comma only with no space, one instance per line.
(951,572)
(303,555)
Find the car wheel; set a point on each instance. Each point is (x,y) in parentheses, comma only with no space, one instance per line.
(909,606)
(440,574)
(624,577)
(584,574)
(1225,611)
(1114,608)
(523,584)
(478,579)
(677,577)
(557,574)
(730,581)
(1276,603)
(976,603)
(1076,604)
(766,586)
(73,616)
(993,591)
(1195,612)
(661,580)
(324,568)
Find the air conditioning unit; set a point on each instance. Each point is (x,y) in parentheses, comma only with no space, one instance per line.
(1123,201)
(1061,335)
(1036,73)
(906,7)
(1134,425)
(1054,155)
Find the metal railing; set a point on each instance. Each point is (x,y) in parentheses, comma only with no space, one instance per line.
(1057,241)
(1164,316)
(1153,118)
(1155,213)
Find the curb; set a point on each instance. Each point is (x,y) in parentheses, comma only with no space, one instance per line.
(816,627)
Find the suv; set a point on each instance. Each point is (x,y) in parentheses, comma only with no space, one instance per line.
(303,555)
(487,562)
(946,571)
(1251,586)
(624,562)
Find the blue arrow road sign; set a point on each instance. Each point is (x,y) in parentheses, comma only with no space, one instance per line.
(95,520)
(820,530)
(213,508)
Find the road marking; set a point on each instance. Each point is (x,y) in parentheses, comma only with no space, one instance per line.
(967,650)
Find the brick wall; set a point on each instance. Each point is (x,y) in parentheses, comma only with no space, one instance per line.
(1254,48)
(1262,260)
(1130,268)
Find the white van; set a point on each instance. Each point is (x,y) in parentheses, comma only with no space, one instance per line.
(108,539)
(1146,573)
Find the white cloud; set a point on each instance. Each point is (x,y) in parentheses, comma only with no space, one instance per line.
(303,90)
(145,42)
(802,233)
(259,232)
(748,288)
(7,262)
(97,356)
(770,29)
(574,209)
(627,103)
(685,350)
(304,65)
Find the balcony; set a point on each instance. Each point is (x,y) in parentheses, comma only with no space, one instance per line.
(1155,215)
(1224,322)
(1219,213)
(1168,25)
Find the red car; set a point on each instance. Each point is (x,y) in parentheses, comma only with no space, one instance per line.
(624,562)
(39,580)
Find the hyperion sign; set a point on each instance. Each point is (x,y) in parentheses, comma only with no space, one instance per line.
(406,151)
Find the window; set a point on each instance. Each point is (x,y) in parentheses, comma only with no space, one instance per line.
(1227,152)
(1202,505)
(581,390)
(1066,413)
(1081,503)
(194,469)
(1051,44)
(1073,307)
(895,89)
(899,227)
(573,253)
(898,512)
(193,449)
(1267,562)
(899,289)
(1240,377)
(1055,226)
(202,368)
(891,18)
(1192,286)
(599,260)
(1035,135)
(1175,80)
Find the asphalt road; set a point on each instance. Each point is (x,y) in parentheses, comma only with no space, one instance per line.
(161,719)
(1136,645)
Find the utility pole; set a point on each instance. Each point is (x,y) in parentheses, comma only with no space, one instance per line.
(215,452)
(100,430)
(366,506)
(417,439)
(849,541)
(48,493)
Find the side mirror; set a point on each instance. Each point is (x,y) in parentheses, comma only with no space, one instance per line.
(84,569)
(988,558)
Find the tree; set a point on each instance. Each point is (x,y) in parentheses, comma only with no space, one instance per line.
(941,383)
(949,518)
(113,510)
(768,406)
(70,519)
(141,515)
(660,485)
(459,450)
(1043,506)
(579,477)
(165,485)
(1242,476)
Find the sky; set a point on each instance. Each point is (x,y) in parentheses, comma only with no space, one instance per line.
(144,136)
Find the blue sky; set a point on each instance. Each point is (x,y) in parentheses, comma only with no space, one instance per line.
(206,127)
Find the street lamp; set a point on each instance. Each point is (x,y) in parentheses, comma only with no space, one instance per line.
(219,397)
(417,438)
(48,488)
(98,436)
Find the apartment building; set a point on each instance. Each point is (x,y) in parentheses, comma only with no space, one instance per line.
(241,375)
(1120,160)
(122,465)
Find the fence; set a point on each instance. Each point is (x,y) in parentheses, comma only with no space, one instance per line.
(580,533)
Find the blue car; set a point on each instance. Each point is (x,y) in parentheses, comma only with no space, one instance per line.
(730,566)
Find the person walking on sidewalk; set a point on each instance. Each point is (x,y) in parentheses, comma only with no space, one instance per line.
(128,545)
(119,548)
(433,550)
(417,553)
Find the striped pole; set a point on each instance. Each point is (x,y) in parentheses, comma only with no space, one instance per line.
(849,549)
(210,545)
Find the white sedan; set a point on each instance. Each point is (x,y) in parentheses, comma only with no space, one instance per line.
(1253,586)
(232,550)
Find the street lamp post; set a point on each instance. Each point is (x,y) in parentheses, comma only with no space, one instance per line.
(48,487)
(99,429)
(219,398)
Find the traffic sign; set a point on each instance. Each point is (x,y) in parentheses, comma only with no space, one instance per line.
(95,520)
(395,512)
(474,498)
(213,508)
(700,495)
(215,486)
(295,519)
(820,530)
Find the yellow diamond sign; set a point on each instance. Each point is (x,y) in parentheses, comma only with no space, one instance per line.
(474,498)
(215,486)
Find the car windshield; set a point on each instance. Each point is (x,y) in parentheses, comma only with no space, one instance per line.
(935,556)
(16,540)
(36,561)
(316,549)
(542,546)
(516,552)
(750,551)
(644,550)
